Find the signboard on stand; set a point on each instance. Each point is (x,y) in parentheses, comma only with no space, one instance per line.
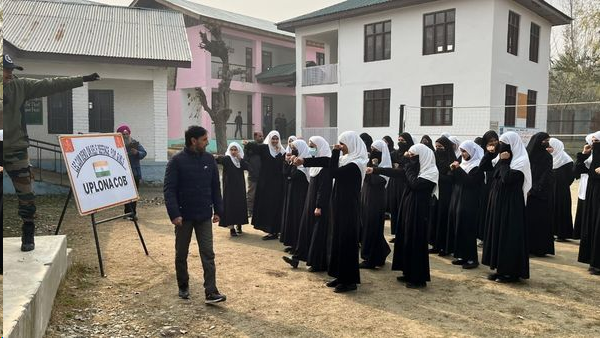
(99,171)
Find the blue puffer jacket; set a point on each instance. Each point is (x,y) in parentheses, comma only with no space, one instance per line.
(134,159)
(192,189)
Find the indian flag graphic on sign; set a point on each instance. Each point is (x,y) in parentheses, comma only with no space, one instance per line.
(101,169)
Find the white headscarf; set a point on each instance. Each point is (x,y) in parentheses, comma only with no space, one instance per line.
(386,160)
(290,140)
(427,168)
(323,150)
(357,152)
(272,149)
(235,160)
(520,159)
(584,176)
(559,156)
(456,141)
(446,135)
(476,153)
(303,153)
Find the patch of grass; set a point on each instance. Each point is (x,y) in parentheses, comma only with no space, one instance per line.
(71,294)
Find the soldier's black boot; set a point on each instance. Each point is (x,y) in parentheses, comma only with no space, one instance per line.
(27,243)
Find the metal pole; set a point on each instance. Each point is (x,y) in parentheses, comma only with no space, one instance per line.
(139,233)
(97,246)
(401,123)
(62,215)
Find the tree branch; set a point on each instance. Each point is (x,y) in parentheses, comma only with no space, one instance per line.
(202,97)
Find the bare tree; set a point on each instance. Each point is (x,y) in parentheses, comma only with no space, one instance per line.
(219,110)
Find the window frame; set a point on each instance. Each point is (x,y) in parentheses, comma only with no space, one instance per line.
(56,119)
(320,57)
(531,110)
(444,25)
(510,106)
(534,43)
(371,99)
(384,35)
(512,41)
(429,95)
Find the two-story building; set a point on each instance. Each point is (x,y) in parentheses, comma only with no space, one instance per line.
(265,91)
(427,66)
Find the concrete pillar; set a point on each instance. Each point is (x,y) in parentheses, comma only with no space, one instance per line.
(300,99)
(257,57)
(257,111)
(159,89)
(81,107)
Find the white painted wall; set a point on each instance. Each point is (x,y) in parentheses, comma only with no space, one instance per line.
(139,98)
(477,68)
(518,70)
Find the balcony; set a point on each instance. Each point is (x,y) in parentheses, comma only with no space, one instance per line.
(320,75)
(247,74)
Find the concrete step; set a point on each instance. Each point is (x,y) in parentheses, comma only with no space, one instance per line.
(31,280)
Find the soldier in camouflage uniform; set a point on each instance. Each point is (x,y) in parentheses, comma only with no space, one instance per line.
(16,143)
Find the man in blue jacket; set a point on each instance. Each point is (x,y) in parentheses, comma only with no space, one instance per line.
(192,191)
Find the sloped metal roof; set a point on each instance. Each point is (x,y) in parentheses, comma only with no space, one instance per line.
(351,8)
(95,30)
(223,15)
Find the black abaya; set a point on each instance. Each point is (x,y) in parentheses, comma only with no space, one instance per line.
(463,216)
(374,247)
(505,242)
(345,217)
(589,246)
(538,212)
(268,200)
(235,210)
(562,221)
(296,187)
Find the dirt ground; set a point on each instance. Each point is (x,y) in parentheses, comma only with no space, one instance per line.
(266,298)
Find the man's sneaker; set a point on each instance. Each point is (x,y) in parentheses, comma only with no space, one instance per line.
(214,297)
(27,242)
(184,293)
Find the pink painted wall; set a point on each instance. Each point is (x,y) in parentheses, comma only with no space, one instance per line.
(199,75)
(314,104)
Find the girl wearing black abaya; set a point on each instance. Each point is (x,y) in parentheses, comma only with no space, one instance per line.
(314,224)
(582,176)
(348,172)
(374,248)
(444,156)
(368,141)
(235,210)
(562,167)
(589,246)
(505,242)
(410,248)
(490,142)
(538,212)
(464,203)
(295,195)
(269,191)
(397,184)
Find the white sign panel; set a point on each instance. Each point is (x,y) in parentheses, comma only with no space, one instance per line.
(99,171)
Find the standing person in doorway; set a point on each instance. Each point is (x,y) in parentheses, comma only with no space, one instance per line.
(135,153)
(192,191)
(16,158)
(238,124)
(251,149)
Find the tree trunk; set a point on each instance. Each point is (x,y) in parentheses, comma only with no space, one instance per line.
(220,121)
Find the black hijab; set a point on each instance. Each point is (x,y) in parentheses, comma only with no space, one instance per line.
(428,143)
(403,147)
(479,142)
(390,143)
(539,158)
(443,158)
(368,140)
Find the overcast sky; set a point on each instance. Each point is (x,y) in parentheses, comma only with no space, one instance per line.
(273,10)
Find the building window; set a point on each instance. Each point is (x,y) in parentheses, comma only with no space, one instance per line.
(531,108)
(267,60)
(376,109)
(534,43)
(378,41)
(437,101)
(513,33)
(60,113)
(33,112)
(320,59)
(510,108)
(438,32)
